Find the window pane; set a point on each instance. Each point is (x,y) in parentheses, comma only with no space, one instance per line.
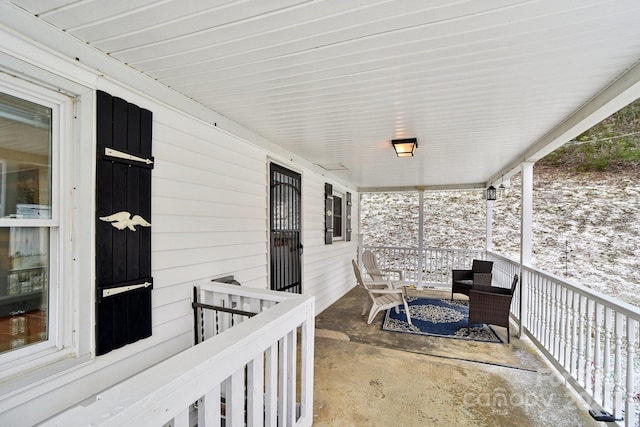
(337,216)
(25,159)
(24,286)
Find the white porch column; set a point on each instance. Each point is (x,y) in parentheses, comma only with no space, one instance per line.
(526,233)
(526,223)
(420,237)
(489,239)
(360,235)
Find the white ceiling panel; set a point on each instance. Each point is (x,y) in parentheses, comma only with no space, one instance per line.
(478,83)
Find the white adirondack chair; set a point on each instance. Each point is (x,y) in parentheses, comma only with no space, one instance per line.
(381,299)
(379,275)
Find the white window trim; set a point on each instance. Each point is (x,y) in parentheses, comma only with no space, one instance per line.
(69,340)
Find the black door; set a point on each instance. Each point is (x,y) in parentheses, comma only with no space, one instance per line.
(123,223)
(284,214)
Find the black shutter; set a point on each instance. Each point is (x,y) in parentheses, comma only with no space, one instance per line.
(123,223)
(348,214)
(328,214)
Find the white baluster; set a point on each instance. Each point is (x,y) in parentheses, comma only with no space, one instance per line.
(224,321)
(282,377)
(606,374)
(255,387)
(546,320)
(531,303)
(631,384)
(526,303)
(542,295)
(589,363)
(290,372)
(209,413)
(234,399)
(307,365)
(555,337)
(533,315)
(581,340)
(617,368)
(534,304)
(182,419)
(557,320)
(271,387)
(597,373)
(575,333)
(564,328)
(546,314)
(539,307)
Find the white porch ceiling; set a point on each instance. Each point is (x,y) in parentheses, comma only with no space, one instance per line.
(482,85)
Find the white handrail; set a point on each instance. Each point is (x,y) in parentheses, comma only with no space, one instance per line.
(264,346)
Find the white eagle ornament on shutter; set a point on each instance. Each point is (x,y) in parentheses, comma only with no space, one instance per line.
(123,219)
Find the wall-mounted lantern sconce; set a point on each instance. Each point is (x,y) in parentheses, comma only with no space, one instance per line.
(491,193)
(405,147)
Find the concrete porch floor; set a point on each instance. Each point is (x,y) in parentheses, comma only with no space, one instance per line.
(365,376)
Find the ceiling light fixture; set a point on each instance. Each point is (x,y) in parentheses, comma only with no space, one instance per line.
(405,147)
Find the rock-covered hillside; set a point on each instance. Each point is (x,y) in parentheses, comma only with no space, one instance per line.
(586,212)
(593,217)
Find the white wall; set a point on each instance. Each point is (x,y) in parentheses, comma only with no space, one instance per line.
(209,216)
(327,268)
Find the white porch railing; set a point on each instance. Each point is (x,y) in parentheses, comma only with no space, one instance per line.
(245,372)
(437,262)
(590,338)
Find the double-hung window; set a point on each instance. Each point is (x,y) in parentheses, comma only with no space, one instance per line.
(29,141)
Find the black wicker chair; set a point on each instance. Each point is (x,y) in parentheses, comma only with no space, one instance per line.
(491,305)
(463,280)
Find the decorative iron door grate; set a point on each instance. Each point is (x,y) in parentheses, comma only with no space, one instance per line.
(285,244)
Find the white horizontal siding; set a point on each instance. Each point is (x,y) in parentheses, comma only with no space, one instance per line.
(201,154)
(180,190)
(187,223)
(167,206)
(178,258)
(188,271)
(177,313)
(184,240)
(209,205)
(327,269)
(167,295)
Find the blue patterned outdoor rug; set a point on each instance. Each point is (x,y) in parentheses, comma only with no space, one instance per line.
(439,318)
